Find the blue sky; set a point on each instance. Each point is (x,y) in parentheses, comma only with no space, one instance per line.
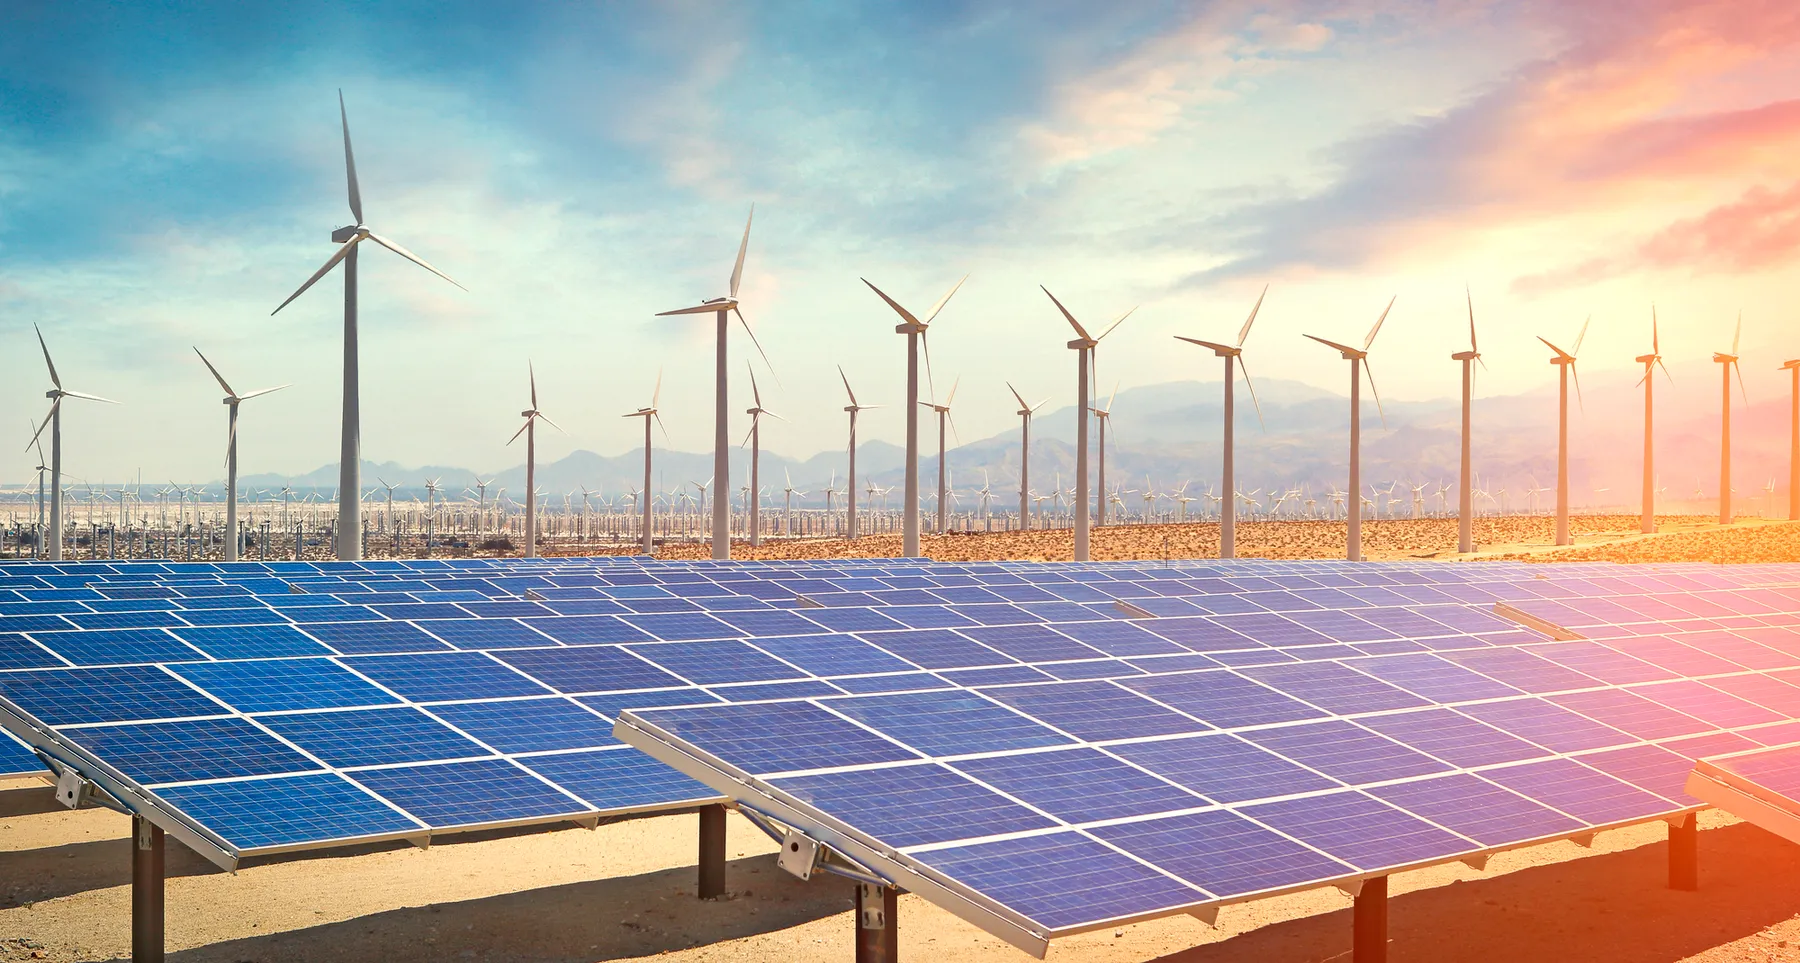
(169,173)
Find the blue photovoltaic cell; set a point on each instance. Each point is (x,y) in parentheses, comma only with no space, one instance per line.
(1479,810)
(1060,879)
(798,689)
(709,663)
(1031,643)
(619,779)
(376,638)
(251,642)
(1199,634)
(767,624)
(611,704)
(457,794)
(774,737)
(1764,690)
(1345,751)
(275,685)
(853,620)
(1334,687)
(825,655)
(997,675)
(445,677)
(1456,739)
(529,725)
(913,805)
(372,737)
(1579,791)
(1658,770)
(486,633)
(588,668)
(1222,699)
(15,758)
(1602,662)
(1095,711)
(922,617)
(266,813)
(111,647)
(130,620)
(1222,852)
(1680,659)
(588,629)
(1522,670)
(946,723)
(1547,725)
(685,627)
(66,697)
(937,649)
(1434,678)
(1777,770)
(1119,638)
(1079,785)
(1361,831)
(189,750)
(244,616)
(1707,704)
(1223,768)
(1632,714)
(18,652)
(900,682)
(505,609)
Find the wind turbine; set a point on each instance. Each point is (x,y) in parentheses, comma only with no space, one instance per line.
(916,332)
(1650,362)
(943,416)
(1234,360)
(1025,412)
(1084,346)
(1565,360)
(724,307)
(1101,417)
(1359,364)
(54,422)
(1465,523)
(529,430)
(787,522)
(754,439)
(1727,362)
(349,529)
(647,503)
(1793,444)
(37,547)
(232,398)
(850,493)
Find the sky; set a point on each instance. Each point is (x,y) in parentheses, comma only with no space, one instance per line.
(170,173)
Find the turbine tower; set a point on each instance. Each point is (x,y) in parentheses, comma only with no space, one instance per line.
(1651,362)
(1234,360)
(1025,412)
(1727,362)
(646,503)
(232,399)
(943,415)
(724,307)
(529,430)
(54,422)
(1465,525)
(1793,444)
(1565,360)
(850,493)
(754,440)
(1102,416)
(916,332)
(349,527)
(1359,365)
(1084,347)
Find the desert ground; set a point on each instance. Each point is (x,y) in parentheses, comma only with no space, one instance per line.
(626,890)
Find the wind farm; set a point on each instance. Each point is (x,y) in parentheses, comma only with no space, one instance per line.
(654,659)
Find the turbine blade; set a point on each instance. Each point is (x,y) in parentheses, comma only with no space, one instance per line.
(215,373)
(1015,394)
(1332,344)
(263,391)
(1740,375)
(737,270)
(54,380)
(1582,336)
(1665,369)
(552,424)
(1576,374)
(350,162)
(925,342)
(78,394)
(755,395)
(954,434)
(40,429)
(1244,332)
(1065,313)
(953,386)
(1370,373)
(659,424)
(657,394)
(1249,384)
(1115,324)
(1655,334)
(1737,334)
(521,431)
(410,256)
(931,315)
(335,257)
(759,347)
(531,372)
(1560,353)
(1370,340)
(1473,347)
(746,442)
(905,314)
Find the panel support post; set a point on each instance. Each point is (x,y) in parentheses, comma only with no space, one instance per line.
(877,932)
(712,851)
(1684,854)
(146,892)
(1369,939)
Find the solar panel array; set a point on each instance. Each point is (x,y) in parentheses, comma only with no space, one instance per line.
(298,705)
(1762,786)
(1071,805)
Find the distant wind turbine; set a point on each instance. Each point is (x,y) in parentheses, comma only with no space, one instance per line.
(1565,361)
(1465,525)
(349,528)
(850,492)
(943,417)
(529,430)
(754,440)
(1102,417)
(646,503)
(1728,362)
(1359,364)
(232,398)
(724,307)
(54,422)
(1794,444)
(916,332)
(1234,361)
(1025,412)
(1084,347)
(1651,362)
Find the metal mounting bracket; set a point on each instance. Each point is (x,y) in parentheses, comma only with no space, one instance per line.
(1584,840)
(71,789)
(1132,611)
(799,854)
(1477,862)
(1351,888)
(806,602)
(873,918)
(1206,914)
